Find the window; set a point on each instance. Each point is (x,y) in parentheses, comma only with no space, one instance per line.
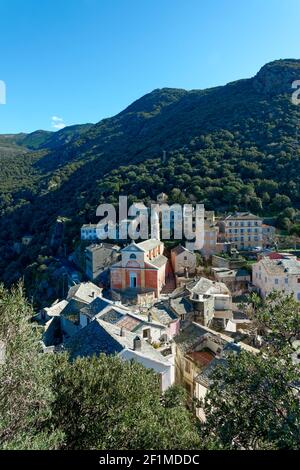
(298,280)
(132,256)
(188,388)
(185,258)
(187,367)
(146,333)
(276,282)
(298,296)
(286,280)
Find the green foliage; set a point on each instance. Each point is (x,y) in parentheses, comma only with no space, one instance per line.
(46,402)
(278,319)
(25,377)
(253,402)
(104,403)
(230,147)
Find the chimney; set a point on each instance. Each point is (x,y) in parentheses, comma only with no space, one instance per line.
(137,344)
(122,332)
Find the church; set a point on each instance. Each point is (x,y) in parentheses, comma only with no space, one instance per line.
(142,267)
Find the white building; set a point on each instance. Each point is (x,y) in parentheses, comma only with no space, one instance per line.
(89,232)
(281,274)
(243,230)
(101,337)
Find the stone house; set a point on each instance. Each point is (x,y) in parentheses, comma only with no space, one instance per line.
(210,299)
(183,260)
(198,349)
(98,259)
(268,234)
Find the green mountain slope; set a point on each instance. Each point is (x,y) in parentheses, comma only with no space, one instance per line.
(234,146)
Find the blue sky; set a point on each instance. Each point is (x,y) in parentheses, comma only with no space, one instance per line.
(83,60)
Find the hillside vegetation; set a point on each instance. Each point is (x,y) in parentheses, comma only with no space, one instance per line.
(230,147)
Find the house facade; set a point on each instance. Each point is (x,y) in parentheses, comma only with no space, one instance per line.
(281,273)
(210,300)
(268,234)
(198,350)
(243,230)
(183,260)
(98,258)
(89,232)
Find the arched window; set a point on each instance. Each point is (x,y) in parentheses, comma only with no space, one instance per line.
(132,256)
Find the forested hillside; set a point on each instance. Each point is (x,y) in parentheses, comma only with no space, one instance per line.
(230,147)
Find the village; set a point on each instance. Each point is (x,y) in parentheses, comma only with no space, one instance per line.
(175,311)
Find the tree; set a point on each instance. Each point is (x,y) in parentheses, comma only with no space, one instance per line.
(106,403)
(280,202)
(25,377)
(253,402)
(278,320)
(48,402)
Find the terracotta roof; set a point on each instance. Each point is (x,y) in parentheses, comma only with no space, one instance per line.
(159,261)
(148,245)
(128,322)
(202,358)
(180,249)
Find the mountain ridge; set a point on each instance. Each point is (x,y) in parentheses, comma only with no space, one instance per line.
(230,147)
(272,74)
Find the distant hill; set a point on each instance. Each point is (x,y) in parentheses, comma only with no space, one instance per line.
(231,147)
